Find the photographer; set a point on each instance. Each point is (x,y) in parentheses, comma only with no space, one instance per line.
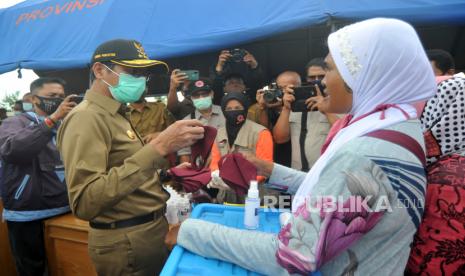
(266,113)
(267,109)
(34,188)
(306,130)
(236,61)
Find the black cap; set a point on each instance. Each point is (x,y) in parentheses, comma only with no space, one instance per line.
(125,52)
(240,97)
(198,85)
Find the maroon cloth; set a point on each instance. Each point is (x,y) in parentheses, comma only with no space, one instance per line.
(439,245)
(237,172)
(202,148)
(194,178)
(433,149)
(190,179)
(400,139)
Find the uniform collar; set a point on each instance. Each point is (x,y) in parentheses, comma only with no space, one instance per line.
(109,104)
(131,108)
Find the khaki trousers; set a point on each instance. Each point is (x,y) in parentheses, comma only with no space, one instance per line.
(136,250)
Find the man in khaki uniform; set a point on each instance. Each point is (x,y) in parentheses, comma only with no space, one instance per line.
(111,173)
(149,119)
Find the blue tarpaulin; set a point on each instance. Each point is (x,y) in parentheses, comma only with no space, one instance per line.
(62,34)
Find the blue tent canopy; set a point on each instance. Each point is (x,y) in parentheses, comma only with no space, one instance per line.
(62,34)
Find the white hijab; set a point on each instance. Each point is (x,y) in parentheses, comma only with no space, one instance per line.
(383,62)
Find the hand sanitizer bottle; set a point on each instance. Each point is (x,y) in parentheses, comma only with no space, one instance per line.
(252,203)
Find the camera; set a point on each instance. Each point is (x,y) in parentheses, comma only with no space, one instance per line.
(237,55)
(272,93)
(301,95)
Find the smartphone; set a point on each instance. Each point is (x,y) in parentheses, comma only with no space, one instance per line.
(301,94)
(77,99)
(192,75)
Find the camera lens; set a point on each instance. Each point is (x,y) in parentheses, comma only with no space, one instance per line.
(269,96)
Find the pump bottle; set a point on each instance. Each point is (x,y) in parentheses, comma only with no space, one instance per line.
(252,203)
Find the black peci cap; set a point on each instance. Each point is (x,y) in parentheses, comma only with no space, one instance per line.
(125,52)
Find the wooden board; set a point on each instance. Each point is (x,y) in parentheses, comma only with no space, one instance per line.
(66,244)
(7,264)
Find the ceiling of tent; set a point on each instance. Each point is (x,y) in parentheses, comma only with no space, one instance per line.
(287,51)
(62,34)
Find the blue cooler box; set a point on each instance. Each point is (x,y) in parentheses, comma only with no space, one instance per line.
(183,262)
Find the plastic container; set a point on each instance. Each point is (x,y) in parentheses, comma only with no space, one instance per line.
(184,209)
(183,262)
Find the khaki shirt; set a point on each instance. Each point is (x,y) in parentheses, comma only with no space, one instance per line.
(110,173)
(246,140)
(153,118)
(318,128)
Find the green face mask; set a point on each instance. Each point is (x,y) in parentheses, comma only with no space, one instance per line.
(129,88)
(202,103)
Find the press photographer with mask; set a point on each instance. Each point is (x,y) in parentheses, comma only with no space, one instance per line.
(33,186)
(201,95)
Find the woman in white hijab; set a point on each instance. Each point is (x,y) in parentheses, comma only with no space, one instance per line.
(358,208)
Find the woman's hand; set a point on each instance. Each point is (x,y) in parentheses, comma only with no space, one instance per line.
(264,168)
(171,237)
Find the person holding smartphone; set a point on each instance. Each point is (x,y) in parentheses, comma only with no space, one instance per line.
(179,81)
(306,130)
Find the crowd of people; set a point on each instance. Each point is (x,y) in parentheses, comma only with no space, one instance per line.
(384,122)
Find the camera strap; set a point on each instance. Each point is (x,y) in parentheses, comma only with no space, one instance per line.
(303,136)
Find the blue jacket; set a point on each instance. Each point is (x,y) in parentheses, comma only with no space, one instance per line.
(32,181)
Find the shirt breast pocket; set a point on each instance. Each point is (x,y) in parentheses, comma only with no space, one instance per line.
(323,126)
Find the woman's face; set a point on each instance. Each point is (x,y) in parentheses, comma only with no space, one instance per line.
(339,96)
(234,105)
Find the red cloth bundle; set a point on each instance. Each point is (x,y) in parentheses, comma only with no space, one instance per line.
(237,172)
(190,179)
(194,178)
